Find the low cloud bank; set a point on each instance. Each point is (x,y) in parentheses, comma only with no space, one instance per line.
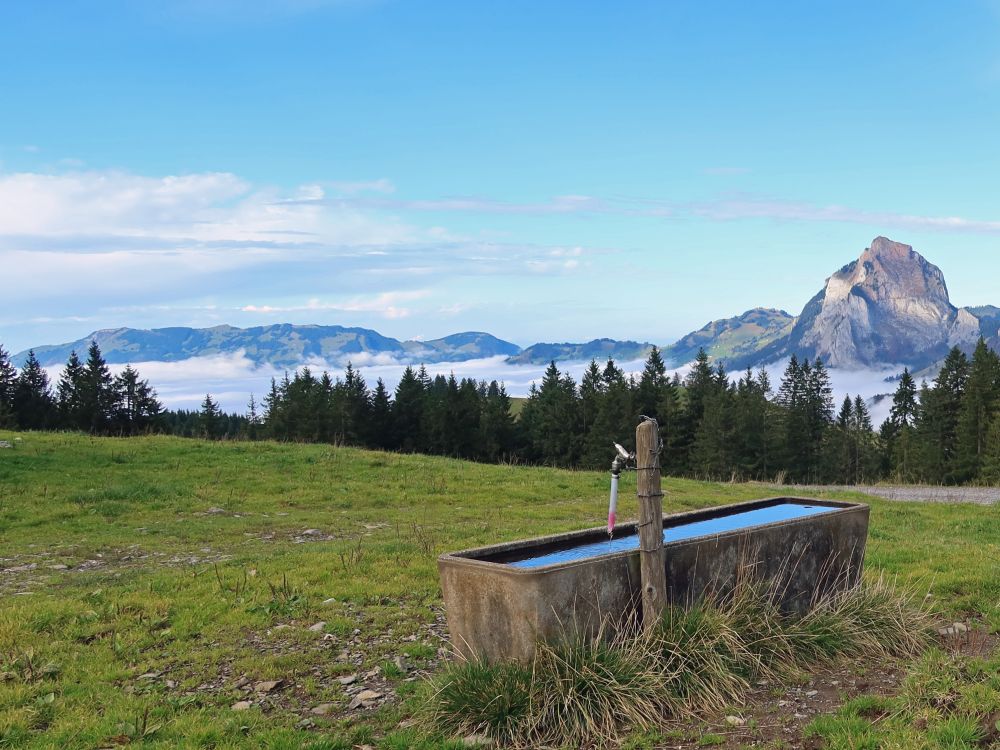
(231,378)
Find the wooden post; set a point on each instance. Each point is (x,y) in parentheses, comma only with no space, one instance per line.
(651,564)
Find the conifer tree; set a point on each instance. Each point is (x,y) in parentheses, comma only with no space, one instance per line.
(651,385)
(407,413)
(978,408)
(136,405)
(8,381)
(498,428)
(381,427)
(253,418)
(96,394)
(553,419)
(34,405)
(69,394)
(210,419)
(898,430)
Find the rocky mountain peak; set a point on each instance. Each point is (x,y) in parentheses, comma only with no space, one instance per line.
(889,306)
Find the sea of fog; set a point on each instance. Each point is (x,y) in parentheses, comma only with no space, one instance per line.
(231,378)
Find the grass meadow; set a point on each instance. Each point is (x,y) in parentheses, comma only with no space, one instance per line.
(163,592)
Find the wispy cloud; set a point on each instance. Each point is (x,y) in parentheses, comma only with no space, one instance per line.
(386,305)
(752,207)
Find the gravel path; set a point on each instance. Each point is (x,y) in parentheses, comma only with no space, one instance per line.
(908,493)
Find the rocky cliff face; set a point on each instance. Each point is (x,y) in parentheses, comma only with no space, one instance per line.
(890,306)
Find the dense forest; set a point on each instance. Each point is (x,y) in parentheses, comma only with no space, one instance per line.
(713,425)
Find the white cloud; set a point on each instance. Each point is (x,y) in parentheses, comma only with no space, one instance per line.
(385,304)
(752,207)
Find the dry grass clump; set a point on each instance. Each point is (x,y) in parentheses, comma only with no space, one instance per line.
(592,690)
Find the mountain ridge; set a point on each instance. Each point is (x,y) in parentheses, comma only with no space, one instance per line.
(890,306)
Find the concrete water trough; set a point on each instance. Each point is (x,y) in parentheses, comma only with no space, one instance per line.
(502,599)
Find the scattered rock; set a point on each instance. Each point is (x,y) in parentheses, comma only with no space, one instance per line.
(267,686)
(281,627)
(328,602)
(322,709)
(58,566)
(242,682)
(960,627)
(948,631)
(735,721)
(318,627)
(368,696)
(305,724)
(311,532)
(213,511)
(811,693)
(401,664)
(241,706)
(348,679)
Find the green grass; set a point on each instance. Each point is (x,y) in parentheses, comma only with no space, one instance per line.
(156,584)
(700,659)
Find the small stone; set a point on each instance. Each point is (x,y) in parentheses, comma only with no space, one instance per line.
(318,627)
(267,686)
(312,532)
(328,602)
(322,709)
(811,693)
(242,682)
(171,684)
(281,627)
(401,664)
(58,566)
(305,724)
(476,740)
(960,627)
(348,679)
(213,511)
(367,696)
(241,706)
(735,721)
(946,631)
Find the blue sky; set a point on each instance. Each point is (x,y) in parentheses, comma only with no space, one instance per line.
(543,171)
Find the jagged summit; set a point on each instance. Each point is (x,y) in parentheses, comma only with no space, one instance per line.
(890,306)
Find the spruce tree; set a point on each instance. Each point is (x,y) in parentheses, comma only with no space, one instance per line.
(96,394)
(554,434)
(34,405)
(380,430)
(8,381)
(407,413)
(651,385)
(978,409)
(898,430)
(210,419)
(136,405)
(498,427)
(69,393)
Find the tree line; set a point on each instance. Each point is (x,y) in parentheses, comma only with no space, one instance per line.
(712,425)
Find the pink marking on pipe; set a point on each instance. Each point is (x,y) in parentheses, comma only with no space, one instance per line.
(611,523)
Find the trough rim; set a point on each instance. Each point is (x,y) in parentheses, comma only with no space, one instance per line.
(472,557)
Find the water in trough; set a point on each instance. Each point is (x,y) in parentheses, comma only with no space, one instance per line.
(733,522)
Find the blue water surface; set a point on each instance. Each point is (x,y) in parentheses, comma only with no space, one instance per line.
(733,522)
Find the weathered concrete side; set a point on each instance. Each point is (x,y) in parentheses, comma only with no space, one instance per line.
(497,611)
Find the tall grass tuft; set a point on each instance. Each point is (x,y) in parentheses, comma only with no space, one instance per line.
(582,690)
